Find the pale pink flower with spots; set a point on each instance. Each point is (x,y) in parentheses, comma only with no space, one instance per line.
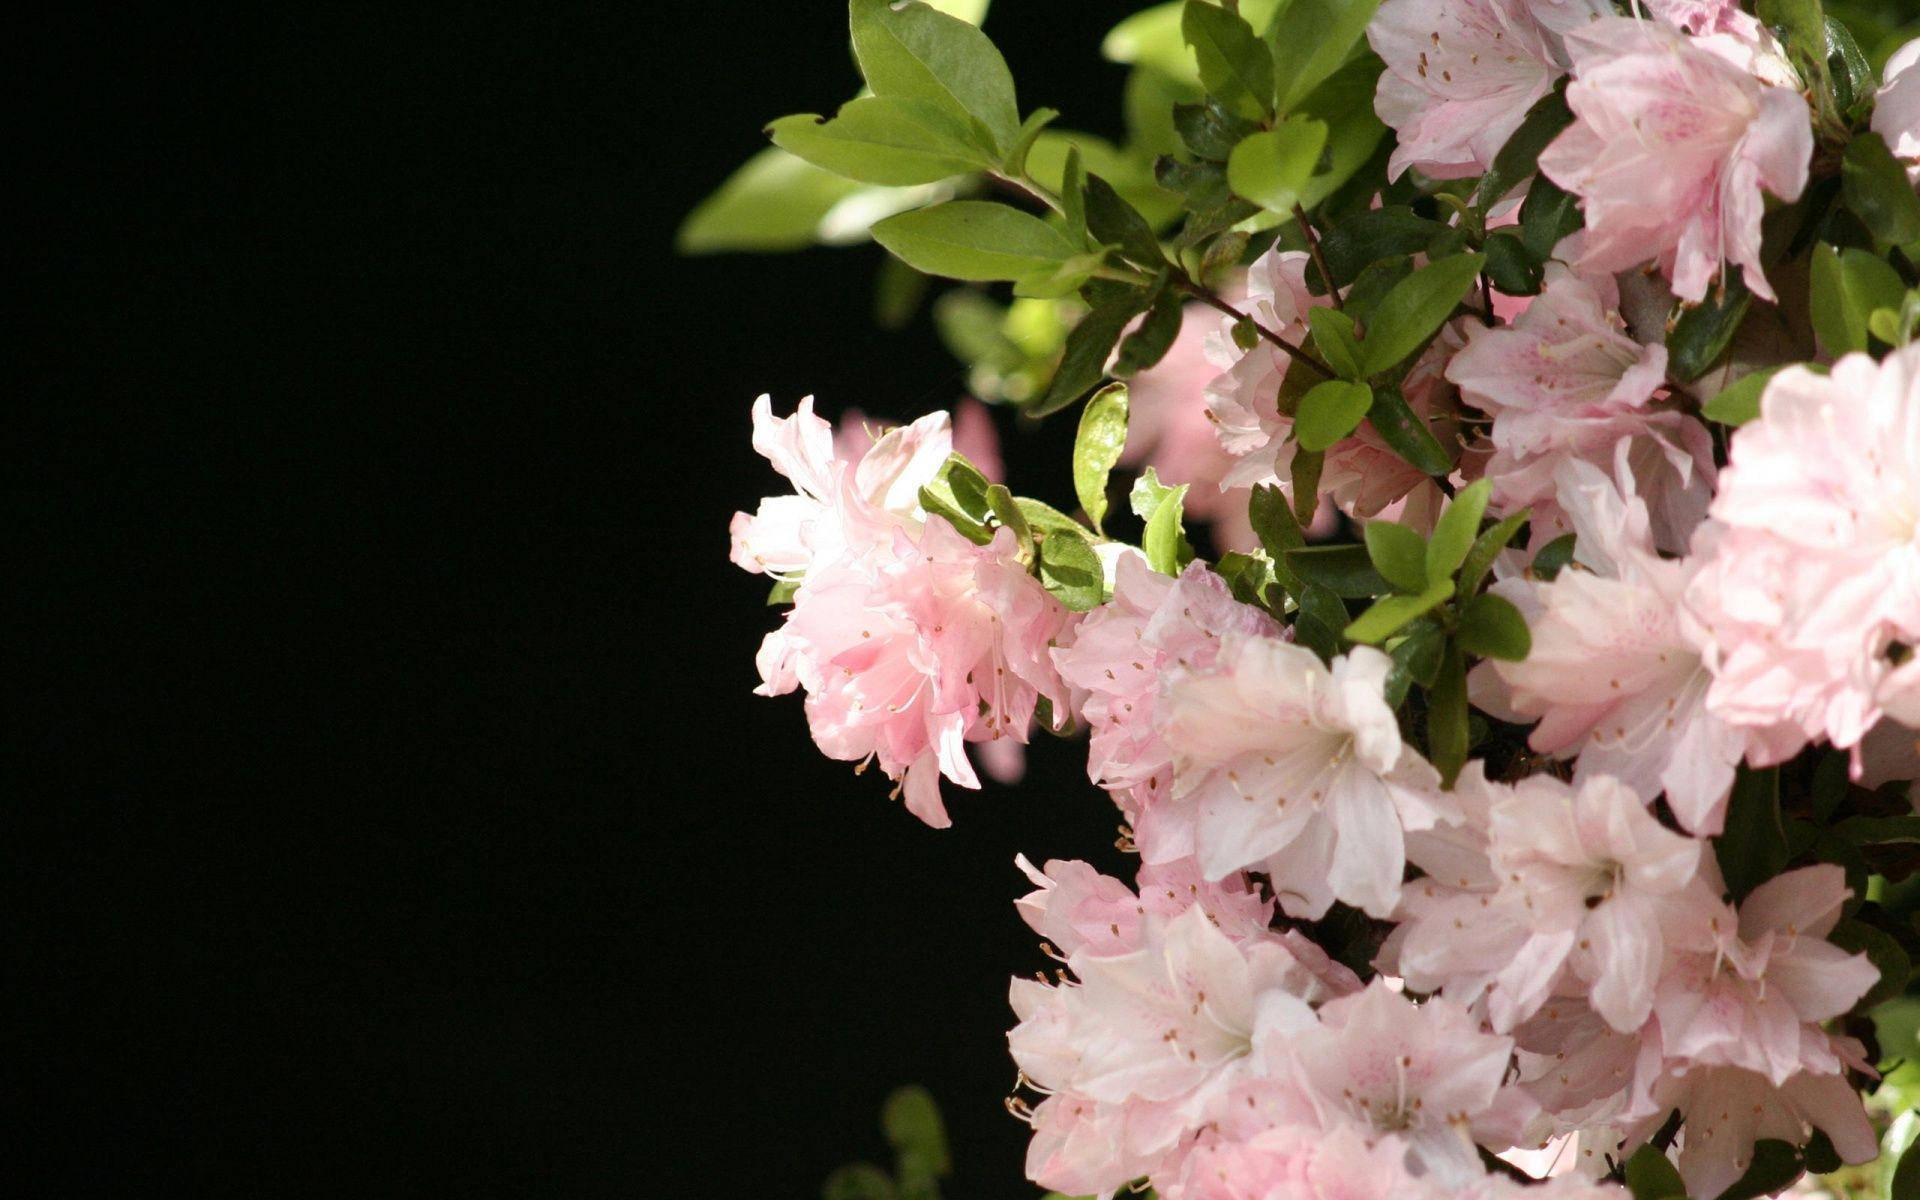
(1299,1162)
(1118,659)
(1896,106)
(907,655)
(1285,763)
(1460,76)
(1671,151)
(1811,572)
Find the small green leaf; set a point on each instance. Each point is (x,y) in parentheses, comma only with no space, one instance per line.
(1320,620)
(1447,735)
(1114,222)
(1089,346)
(1875,186)
(1905,1184)
(1753,848)
(1492,627)
(1454,532)
(1847,286)
(1333,338)
(773,202)
(1164,541)
(1486,548)
(1651,1176)
(1369,236)
(1513,268)
(1548,214)
(917,53)
(1097,446)
(1331,411)
(959,493)
(1521,152)
(1405,432)
(879,139)
(860,1181)
(1070,569)
(973,239)
(1346,571)
(1739,401)
(1305,477)
(1418,654)
(911,1121)
(1015,164)
(1153,337)
(1704,331)
(1073,198)
(1234,64)
(783,591)
(1389,613)
(1399,554)
(1818,1154)
(1345,102)
(1151,38)
(1008,513)
(1416,308)
(1552,558)
(1311,39)
(1273,168)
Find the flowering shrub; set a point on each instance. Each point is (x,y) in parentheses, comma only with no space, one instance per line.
(1521,777)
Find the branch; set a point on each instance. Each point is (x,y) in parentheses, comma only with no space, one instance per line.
(1297,353)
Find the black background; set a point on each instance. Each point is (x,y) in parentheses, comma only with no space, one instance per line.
(390,808)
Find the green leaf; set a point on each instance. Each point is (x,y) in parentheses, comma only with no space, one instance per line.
(1345,102)
(1113,221)
(1368,237)
(1331,411)
(911,1121)
(783,591)
(1447,734)
(1246,575)
(1097,446)
(1311,39)
(1273,168)
(1513,268)
(860,1181)
(1416,308)
(1874,185)
(1548,214)
(1905,1184)
(959,493)
(1486,548)
(1704,331)
(1070,569)
(1089,345)
(1160,507)
(1651,1176)
(1739,401)
(1044,518)
(1405,432)
(1818,1154)
(1848,285)
(973,239)
(1775,1165)
(1389,613)
(1879,831)
(1234,64)
(1333,337)
(1305,477)
(1418,655)
(1399,554)
(1886,955)
(1209,129)
(1320,620)
(1491,627)
(1015,164)
(879,139)
(1552,558)
(1346,571)
(1008,513)
(917,53)
(1454,532)
(773,202)
(1153,337)
(1753,847)
(1151,39)
(1520,154)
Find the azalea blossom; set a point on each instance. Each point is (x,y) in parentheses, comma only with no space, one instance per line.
(1564,382)
(1671,150)
(1282,762)
(1811,573)
(906,656)
(1118,659)
(1896,106)
(1617,673)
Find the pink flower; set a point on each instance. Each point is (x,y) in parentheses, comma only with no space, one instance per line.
(848,498)
(1460,76)
(1671,149)
(1279,760)
(1616,673)
(1812,562)
(909,653)
(1298,1161)
(1896,106)
(1727,1110)
(1699,16)
(1118,657)
(1078,907)
(1564,381)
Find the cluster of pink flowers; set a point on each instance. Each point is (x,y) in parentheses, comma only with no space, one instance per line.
(1561,968)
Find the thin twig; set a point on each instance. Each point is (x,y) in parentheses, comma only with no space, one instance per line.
(1297,353)
(1319,263)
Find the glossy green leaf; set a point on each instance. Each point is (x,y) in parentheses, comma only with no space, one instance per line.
(782,592)
(959,493)
(915,52)
(1514,269)
(1246,575)
(1164,541)
(973,239)
(1399,554)
(1321,617)
(1114,222)
(773,202)
(1346,571)
(1454,532)
(1311,39)
(1416,308)
(1151,38)
(1905,1184)
(1390,613)
(1492,627)
(1847,286)
(1448,738)
(1548,214)
(1234,63)
(1036,123)
(1305,477)
(1367,237)
(1875,186)
(1406,433)
(1097,446)
(1486,548)
(1331,411)
(880,139)
(1209,129)
(1333,337)
(1070,569)
(1753,847)
(1652,1176)
(1520,154)
(1007,512)
(1153,337)
(1704,331)
(1345,102)
(1083,363)
(1739,401)
(1273,168)
(1552,558)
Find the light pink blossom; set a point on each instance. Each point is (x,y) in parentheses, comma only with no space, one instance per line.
(1896,106)
(1812,562)
(1281,761)
(1671,150)
(1118,658)
(1727,1110)
(907,655)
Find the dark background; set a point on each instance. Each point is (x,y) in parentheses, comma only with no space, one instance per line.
(388,806)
